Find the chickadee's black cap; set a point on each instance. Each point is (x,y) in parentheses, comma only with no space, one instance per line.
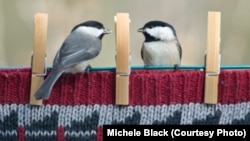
(95,24)
(90,23)
(155,23)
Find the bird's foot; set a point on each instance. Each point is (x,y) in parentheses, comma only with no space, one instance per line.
(146,66)
(88,68)
(176,67)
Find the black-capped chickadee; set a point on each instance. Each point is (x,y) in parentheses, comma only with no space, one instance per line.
(161,46)
(81,46)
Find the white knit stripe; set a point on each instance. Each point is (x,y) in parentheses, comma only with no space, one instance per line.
(199,111)
(21,114)
(106,114)
(67,117)
(27,115)
(40,133)
(79,134)
(189,114)
(234,112)
(1,113)
(5,110)
(8,133)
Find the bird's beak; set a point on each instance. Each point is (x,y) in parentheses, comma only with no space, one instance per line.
(140,30)
(107,31)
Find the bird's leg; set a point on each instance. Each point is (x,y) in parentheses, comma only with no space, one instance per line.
(176,66)
(88,68)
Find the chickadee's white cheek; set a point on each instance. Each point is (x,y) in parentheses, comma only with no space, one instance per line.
(90,30)
(163,33)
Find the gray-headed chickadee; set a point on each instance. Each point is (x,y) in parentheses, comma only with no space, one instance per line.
(77,51)
(161,46)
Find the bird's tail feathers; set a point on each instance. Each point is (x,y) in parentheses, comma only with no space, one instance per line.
(44,90)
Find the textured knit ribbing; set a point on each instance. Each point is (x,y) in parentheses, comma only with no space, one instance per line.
(147,87)
(234,86)
(14,85)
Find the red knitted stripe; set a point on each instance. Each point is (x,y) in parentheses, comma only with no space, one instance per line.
(99,134)
(21,133)
(14,86)
(147,87)
(60,133)
(234,86)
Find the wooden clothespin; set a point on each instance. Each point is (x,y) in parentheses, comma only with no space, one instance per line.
(38,61)
(122,58)
(212,65)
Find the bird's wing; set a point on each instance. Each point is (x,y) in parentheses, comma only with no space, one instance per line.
(77,48)
(179,48)
(142,51)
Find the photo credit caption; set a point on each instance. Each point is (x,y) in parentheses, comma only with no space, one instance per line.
(176,132)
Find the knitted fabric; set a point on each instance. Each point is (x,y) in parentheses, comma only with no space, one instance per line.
(81,104)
